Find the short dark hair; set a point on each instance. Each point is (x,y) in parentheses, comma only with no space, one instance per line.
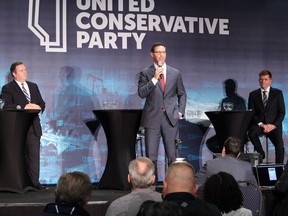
(222,190)
(233,146)
(13,67)
(74,188)
(265,72)
(157,44)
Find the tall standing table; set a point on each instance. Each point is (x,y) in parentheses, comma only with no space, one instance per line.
(14,126)
(120,127)
(230,123)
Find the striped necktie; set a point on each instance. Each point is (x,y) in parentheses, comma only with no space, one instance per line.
(25,93)
(265,98)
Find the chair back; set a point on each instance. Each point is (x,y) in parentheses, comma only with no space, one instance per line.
(252,197)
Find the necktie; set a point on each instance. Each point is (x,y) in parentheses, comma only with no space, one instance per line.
(162,81)
(25,93)
(265,98)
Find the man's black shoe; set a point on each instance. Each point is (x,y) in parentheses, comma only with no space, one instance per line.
(262,154)
(41,187)
(261,157)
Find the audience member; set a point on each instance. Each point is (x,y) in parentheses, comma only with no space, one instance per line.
(72,193)
(222,190)
(229,162)
(180,187)
(269,107)
(281,187)
(164,208)
(141,176)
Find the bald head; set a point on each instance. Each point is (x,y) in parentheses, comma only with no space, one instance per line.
(180,177)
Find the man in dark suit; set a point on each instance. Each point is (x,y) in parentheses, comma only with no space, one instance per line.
(22,94)
(269,107)
(163,88)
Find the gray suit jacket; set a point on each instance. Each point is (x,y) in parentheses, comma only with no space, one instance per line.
(173,99)
(239,169)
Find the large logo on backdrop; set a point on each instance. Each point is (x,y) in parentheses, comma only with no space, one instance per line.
(108,24)
(60,42)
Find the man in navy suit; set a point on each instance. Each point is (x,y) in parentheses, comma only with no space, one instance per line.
(22,94)
(269,107)
(163,88)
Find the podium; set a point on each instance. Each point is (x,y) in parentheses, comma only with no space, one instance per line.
(14,126)
(230,123)
(120,127)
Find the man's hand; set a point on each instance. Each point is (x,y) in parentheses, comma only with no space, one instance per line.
(32,106)
(158,72)
(267,128)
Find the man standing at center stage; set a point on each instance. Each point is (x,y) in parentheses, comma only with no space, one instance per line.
(163,88)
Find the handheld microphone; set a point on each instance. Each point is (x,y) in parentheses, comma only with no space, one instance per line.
(160,65)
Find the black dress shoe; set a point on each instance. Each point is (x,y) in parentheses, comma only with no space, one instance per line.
(261,157)
(41,187)
(262,154)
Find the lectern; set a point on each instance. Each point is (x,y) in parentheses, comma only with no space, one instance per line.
(14,126)
(120,127)
(230,123)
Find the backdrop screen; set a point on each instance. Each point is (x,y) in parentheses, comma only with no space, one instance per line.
(87,54)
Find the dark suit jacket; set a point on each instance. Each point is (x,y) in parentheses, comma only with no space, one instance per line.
(173,98)
(15,99)
(192,205)
(274,112)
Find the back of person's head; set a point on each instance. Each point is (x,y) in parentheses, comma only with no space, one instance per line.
(232,146)
(164,208)
(141,172)
(180,177)
(223,190)
(74,188)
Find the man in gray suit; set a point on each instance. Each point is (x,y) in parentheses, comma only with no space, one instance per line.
(163,88)
(229,162)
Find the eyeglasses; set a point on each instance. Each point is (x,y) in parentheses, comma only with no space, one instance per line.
(160,52)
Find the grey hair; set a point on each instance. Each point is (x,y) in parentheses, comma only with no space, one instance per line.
(141,178)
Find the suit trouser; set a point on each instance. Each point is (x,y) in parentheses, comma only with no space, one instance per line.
(152,140)
(32,156)
(276,138)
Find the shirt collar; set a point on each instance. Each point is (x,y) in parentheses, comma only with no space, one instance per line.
(20,83)
(267,90)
